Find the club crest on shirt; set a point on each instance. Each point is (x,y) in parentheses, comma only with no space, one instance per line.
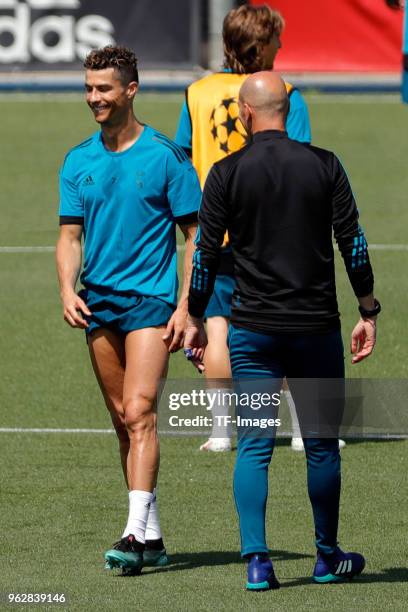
(139,179)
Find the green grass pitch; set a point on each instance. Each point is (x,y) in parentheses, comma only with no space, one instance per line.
(63,501)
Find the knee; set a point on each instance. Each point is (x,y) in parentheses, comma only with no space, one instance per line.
(140,416)
(118,422)
(321,450)
(217,327)
(255,452)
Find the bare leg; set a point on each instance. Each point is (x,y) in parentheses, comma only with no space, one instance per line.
(216,357)
(146,364)
(107,351)
(218,375)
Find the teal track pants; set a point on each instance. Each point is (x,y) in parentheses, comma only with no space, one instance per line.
(259,356)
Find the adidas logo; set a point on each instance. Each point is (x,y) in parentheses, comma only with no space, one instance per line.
(344,566)
(88,181)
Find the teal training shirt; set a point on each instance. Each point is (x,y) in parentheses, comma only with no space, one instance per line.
(129,204)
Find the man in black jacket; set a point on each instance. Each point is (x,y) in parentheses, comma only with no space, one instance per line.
(280,200)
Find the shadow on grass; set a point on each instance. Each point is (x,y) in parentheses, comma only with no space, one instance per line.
(193,560)
(388,574)
(187,561)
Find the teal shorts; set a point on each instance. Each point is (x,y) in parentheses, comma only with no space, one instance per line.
(124,312)
(221,299)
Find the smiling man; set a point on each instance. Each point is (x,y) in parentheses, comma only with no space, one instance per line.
(124,189)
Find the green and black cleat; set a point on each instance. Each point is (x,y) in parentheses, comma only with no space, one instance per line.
(154,555)
(127,555)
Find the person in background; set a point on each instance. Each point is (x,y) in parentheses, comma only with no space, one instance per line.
(209,129)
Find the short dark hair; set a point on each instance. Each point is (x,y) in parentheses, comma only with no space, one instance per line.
(245,31)
(121,58)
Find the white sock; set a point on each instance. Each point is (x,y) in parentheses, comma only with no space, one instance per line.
(220,410)
(293,414)
(139,505)
(153,531)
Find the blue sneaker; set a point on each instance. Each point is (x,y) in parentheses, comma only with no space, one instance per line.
(261,576)
(337,567)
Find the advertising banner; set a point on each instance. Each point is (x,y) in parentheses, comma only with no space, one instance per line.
(57,34)
(339,35)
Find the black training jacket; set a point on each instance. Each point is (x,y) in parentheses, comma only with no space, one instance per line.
(280,201)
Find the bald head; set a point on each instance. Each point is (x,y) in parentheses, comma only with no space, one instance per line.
(263,102)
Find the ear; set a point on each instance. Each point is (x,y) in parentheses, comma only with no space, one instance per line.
(245,116)
(248,111)
(132,89)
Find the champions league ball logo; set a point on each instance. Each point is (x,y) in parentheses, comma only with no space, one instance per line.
(226,128)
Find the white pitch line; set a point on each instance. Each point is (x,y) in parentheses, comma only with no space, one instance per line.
(79,98)
(55,430)
(371,247)
(27,249)
(328,98)
(282,434)
(388,247)
(180,247)
(46,249)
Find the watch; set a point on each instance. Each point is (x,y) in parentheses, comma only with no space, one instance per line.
(367,314)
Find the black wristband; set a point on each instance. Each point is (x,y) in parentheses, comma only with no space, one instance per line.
(367,314)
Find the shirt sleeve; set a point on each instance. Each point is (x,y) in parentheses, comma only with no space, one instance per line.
(71,209)
(183,187)
(349,235)
(298,122)
(212,218)
(184,130)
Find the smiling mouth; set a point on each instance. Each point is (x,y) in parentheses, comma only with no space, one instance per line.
(99,108)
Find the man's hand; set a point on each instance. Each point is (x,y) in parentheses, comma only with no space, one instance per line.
(195,341)
(174,334)
(73,307)
(363,339)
